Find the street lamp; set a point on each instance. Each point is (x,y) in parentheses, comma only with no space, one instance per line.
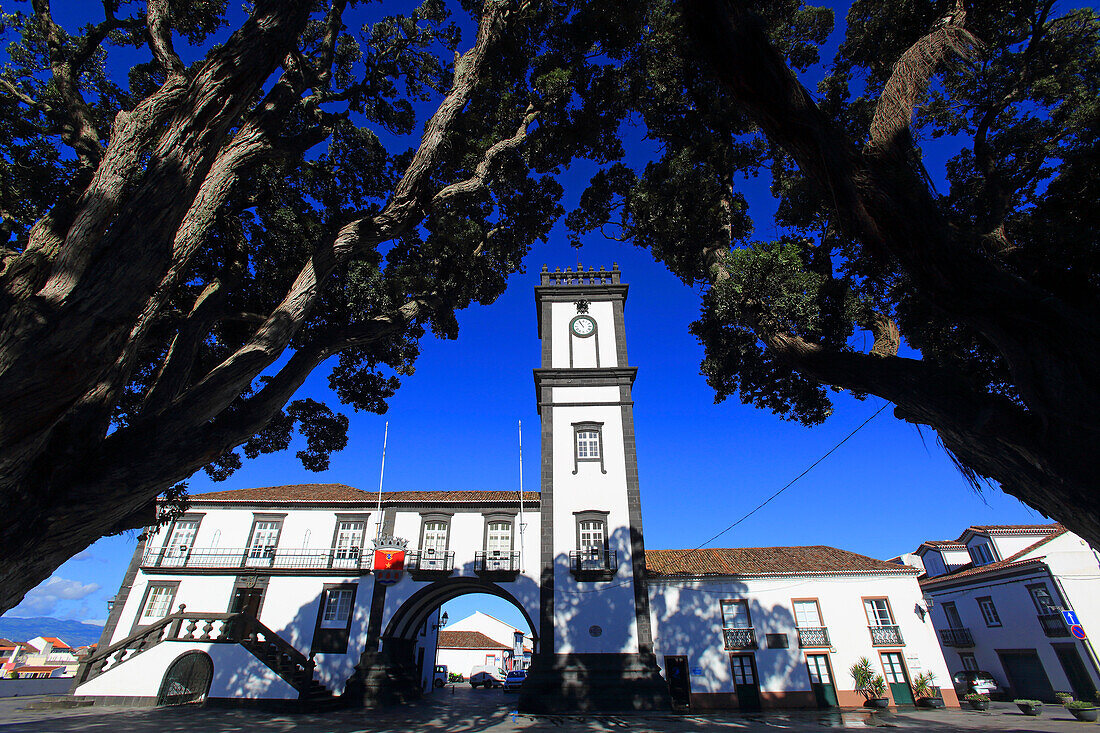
(442,621)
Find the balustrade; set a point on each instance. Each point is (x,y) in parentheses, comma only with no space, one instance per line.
(739,638)
(273,558)
(809,636)
(886,636)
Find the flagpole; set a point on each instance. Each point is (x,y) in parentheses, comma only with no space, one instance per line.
(521,524)
(381,474)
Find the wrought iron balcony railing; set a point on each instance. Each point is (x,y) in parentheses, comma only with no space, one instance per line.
(810,636)
(430,562)
(956,637)
(259,558)
(496,561)
(886,636)
(593,564)
(739,638)
(1053,624)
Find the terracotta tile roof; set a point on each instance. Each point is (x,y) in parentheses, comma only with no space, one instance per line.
(35,668)
(1048,527)
(307,493)
(57,643)
(467,640)
(944,543)
(1013,561)
(806,560)
(6,642)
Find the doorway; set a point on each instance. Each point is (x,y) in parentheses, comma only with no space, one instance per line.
(1026,675)
(679,681)
(821,680)
(745,681)
(248,598)
(897,677)
(1079,680)
(187,679)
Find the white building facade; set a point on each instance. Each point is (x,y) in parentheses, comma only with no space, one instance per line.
(998,593)
(270,595)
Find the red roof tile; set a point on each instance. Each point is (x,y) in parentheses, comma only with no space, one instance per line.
(35,668)
(467,640)
(57,643)
(307,493)
(806,560)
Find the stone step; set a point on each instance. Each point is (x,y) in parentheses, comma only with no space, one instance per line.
(58,703)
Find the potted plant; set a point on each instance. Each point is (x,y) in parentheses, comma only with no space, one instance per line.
(869,683)
(1083,711)
(978,701)
(1063,698)
(926,691)
(1029,707)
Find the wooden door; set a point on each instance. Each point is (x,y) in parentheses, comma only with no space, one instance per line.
(821,680)
(897,677)
(679,681)
(1078,676)
(745,681)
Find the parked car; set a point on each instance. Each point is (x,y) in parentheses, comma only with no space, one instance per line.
(487,677)
(977,681)
(514,680)
(439,677)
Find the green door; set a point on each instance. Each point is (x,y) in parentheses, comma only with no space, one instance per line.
(897,678)
(821,680)
(1078,676)
(744,681)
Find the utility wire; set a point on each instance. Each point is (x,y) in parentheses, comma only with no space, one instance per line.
(762,504)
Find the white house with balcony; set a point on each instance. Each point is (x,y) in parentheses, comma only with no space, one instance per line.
(997,595)
(777,627)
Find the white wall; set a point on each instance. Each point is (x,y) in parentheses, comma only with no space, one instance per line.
(688,621)
(463,661)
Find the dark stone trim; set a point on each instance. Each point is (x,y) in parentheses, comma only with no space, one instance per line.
(620,333)
(389,519)
(600,377)
(510,519)
(634,512)
(242,582)
(353,507)
(590,515)
(546,526)
(616,403)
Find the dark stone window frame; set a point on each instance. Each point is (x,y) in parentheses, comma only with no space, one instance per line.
(173,584)
(589,515)
(333,641)
(188,517)
(426,517)
(258,517)
(363,517)
(247,581)
(587,426)
(489,517)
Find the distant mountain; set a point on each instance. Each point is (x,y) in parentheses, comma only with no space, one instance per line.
(73,633)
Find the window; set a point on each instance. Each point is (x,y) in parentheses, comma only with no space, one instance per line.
(498,538)
(435,538)
(807,615)
(349,543)
(433,543)
(989,611)
(265,537)
(592,536)
(587,444)
(180,542)
(337,608)
(735,615)
(158,603)
(878,612)
(968,661)
(334,619)
(952,614)
(1040,596)
(981,554)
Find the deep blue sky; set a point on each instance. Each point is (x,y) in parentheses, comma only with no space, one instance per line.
(702,465)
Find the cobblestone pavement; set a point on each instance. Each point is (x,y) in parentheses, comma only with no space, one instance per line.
(471,711)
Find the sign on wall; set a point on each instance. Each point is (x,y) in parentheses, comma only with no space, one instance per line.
(389,559)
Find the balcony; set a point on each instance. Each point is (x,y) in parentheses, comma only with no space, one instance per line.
(810,637)
(430,564)
(886,636)
(1053,624)
(266,560)
(496,564)
(956,637)
(593,564)
(739,638)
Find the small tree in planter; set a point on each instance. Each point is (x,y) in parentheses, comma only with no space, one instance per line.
(1083,710)
(978,701)
(926,691)
(1029,707)
(1063,697)
(869,683)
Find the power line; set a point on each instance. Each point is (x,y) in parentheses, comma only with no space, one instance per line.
(762,504)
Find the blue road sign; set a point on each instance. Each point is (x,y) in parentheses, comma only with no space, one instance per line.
(1078,631)
(1071,618)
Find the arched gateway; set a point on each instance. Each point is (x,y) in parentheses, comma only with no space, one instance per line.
(284,589)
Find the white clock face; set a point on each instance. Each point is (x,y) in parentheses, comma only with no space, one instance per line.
(583,326)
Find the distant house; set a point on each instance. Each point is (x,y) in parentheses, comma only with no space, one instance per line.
(998,594)
(48,651)
(501,632)
(39,671)
(461,651)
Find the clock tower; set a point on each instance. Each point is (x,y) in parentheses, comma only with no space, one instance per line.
(595,638)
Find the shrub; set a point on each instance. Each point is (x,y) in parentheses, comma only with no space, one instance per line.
(1021,701)
(455,677)
(976,697)
(1079,705)
(924,685)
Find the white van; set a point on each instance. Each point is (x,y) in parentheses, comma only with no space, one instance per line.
(487,676)
(439,677)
